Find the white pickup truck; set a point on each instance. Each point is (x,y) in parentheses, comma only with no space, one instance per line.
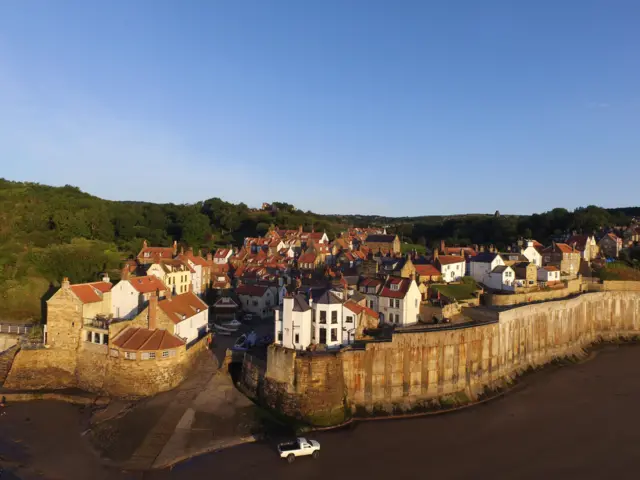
(299,448)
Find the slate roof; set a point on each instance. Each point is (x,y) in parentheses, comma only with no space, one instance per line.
(484,257)
(327,298)
(380,238)
(499,269)
(300,303)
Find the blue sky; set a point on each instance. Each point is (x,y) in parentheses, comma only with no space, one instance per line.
(349,106)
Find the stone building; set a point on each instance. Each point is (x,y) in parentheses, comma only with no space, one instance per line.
(526,274)
(564,257)
(382,243)
(610,245)
(156,254)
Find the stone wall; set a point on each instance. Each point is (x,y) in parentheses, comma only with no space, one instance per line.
(91,368)
(572,287)
(414,368)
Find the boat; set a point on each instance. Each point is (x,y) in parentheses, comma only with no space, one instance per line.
(233,324)
(220,330)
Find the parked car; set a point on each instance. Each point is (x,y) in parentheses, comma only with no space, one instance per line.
(299,448)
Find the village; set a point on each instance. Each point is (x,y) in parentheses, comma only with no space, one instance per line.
(299,289)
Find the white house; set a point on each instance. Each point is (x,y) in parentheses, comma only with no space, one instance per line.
(399,301)
(293,326)
(258,299)
(452,267)
(501,278)
(222,256)
(548,274)
(189,314)
(483,264)
(129,296)
(327,320)
(532,254)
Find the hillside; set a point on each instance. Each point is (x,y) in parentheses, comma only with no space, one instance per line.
(50,232)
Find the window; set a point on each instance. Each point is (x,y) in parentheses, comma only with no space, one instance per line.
(349,319)
(130,355)
(105,339)
(152,354)
(395,287)
(89,336)
(334,317)
(165,354)
(371,304)
(255,303)
(323,316)
(297,338)
(397,303)
(323,335)
(334,334)
(280,336)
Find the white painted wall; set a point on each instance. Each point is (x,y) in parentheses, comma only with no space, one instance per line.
(293,326)
(260,306)
(452,272)
(328,327)
(188,329)
(532,255)
(124,300)
(479,270)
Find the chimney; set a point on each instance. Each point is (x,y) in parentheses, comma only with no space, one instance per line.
(65,283)
(311,298)
(209,257)
(175,247)
(435,254)
(105,278)
(168,293)
(153,311)
(144,244)
(299,228)
(190,287)
(124,273)
(181,250)
(475,247)
(442,246)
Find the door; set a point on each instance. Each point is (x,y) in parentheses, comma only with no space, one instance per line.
(323,335)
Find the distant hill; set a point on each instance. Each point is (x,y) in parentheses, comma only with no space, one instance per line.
(50,232)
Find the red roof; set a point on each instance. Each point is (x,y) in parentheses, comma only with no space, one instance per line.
(402,287)
(222,253)
(427,270)
(252,290)
(181,307)
(153,252)
(550,268)
(560,248)
(147,284)
(358,309)
(449,259)
(308,258)
(133,338)
(371,282)
(91,292)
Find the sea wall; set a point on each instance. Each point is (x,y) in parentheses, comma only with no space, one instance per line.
(415,368)
(90,368)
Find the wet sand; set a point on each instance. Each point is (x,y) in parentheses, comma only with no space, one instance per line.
(580,421)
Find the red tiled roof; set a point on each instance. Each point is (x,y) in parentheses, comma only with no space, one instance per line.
(308,258)
(222,253)
(147,284)
(143,339)
(181,307)
(403,287)
(560,247)
(427,270)
(91,292)
(251,290)
(162,252)
(371,282)
(449,259)
(550,268)
(358,309)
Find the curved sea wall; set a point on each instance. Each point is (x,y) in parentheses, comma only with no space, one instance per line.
(415,368)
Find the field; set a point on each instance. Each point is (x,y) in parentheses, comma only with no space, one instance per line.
(619,271)
(461,291)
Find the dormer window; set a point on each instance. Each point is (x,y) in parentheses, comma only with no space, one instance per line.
(395,287)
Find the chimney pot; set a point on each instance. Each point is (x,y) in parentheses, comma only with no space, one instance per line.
(65,283)
(153,311)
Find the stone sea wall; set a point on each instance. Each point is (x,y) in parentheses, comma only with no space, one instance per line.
(417,367)
(92,369)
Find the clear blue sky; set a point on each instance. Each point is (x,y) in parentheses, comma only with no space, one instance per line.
(351,106)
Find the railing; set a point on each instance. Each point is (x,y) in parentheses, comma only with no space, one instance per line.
(15,329)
